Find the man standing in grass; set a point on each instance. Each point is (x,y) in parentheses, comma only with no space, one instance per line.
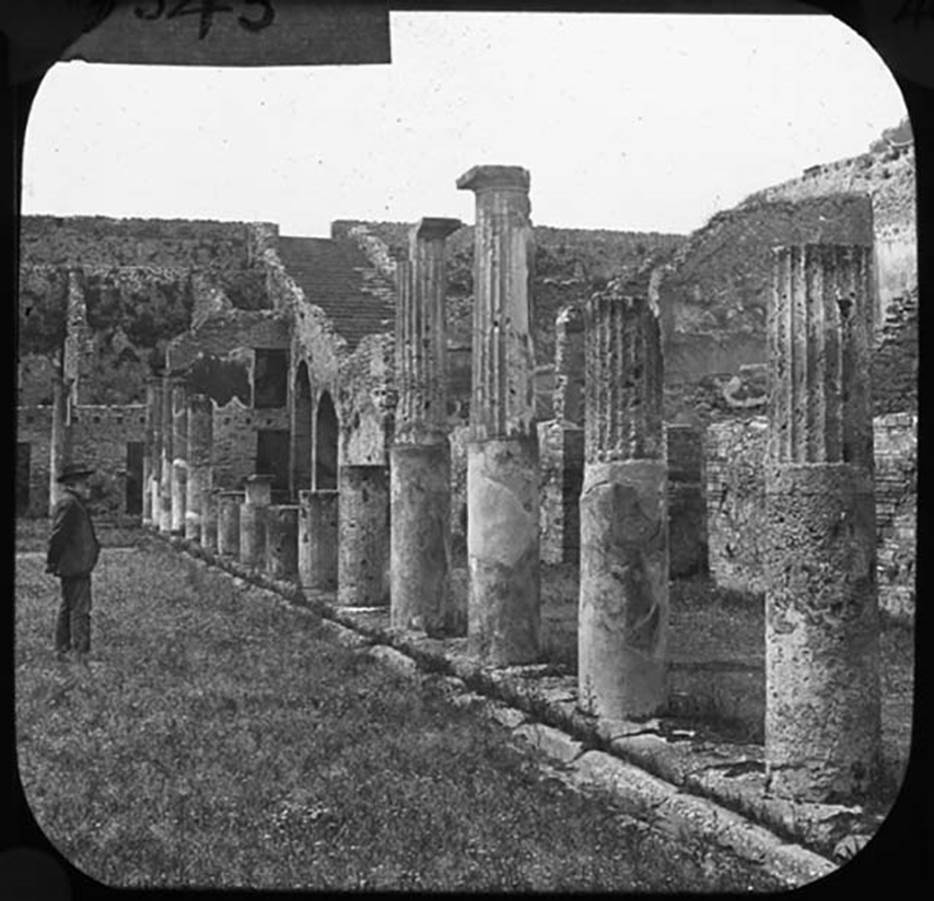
(73,553)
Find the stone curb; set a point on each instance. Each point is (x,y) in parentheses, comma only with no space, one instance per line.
(680,792)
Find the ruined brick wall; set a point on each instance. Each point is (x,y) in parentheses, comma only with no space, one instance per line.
(895,358)
(102,241)
(735,480)
(366,403)
(896,456)
(34,428)
(886,173)
(735,453)
(100,435)
(561,471)
(713,294)
(233,452)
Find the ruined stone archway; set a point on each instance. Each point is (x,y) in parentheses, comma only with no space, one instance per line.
(326,444)
(301,430)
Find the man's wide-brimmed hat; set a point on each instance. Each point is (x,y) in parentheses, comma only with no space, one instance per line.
(73,471)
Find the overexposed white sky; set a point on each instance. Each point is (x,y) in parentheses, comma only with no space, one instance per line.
(628,122)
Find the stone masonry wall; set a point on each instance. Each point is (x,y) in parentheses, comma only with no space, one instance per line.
(366,403)
(234,448)
(100,435)
(895,439)
(735,481)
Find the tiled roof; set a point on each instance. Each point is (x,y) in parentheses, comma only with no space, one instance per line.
(336,276)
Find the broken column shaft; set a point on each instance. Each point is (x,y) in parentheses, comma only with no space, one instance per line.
(200,441)
(623,617)
(179,470)
(153,414)
(502,454)
(228,523)
(317,539)
(257,498)
(209,502)
(165,469)
(420,458)
(282,541)
(822,720)
(363,547)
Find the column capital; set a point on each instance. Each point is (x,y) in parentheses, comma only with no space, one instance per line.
(431,228)
(488,178)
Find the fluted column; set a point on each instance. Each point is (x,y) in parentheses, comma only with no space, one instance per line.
(258,496)
(200,441)
(822,723)
(165,469)
(149,441)
(420,458)
(317,539)
(623,624)
(502,455)
(179,471)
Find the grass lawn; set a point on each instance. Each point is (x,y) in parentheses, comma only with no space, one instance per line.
(221,740)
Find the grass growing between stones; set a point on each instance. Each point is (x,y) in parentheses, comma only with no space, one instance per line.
(221,740)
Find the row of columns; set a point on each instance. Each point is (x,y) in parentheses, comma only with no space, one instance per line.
(822,712)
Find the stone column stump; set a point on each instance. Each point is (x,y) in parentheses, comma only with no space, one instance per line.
(209,504)
(228,523)
(179,469)
(317,539)
(257,498)
(822,721)
(623,618)
(200,440)
(282,541)
(363,545)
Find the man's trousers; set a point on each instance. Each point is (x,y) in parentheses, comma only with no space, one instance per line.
(73,627)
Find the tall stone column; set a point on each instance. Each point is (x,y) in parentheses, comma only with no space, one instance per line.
(147,453)
(282,541)
(420,458)
(623,617)
(209,503)
(503,616)
(363,545)
(200,441)
(822,718)
(228,523)
(60,439)
(179,471)
(258,497)
(165,474)
(317,539)
(154,396)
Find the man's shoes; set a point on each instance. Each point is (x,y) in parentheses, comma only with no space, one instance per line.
(81,659)
(62,656)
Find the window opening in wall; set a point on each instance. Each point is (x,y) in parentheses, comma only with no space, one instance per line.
(134,478)
(272,456)
(270,378)
(23,460)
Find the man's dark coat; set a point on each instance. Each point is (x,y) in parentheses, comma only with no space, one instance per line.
(73,546)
